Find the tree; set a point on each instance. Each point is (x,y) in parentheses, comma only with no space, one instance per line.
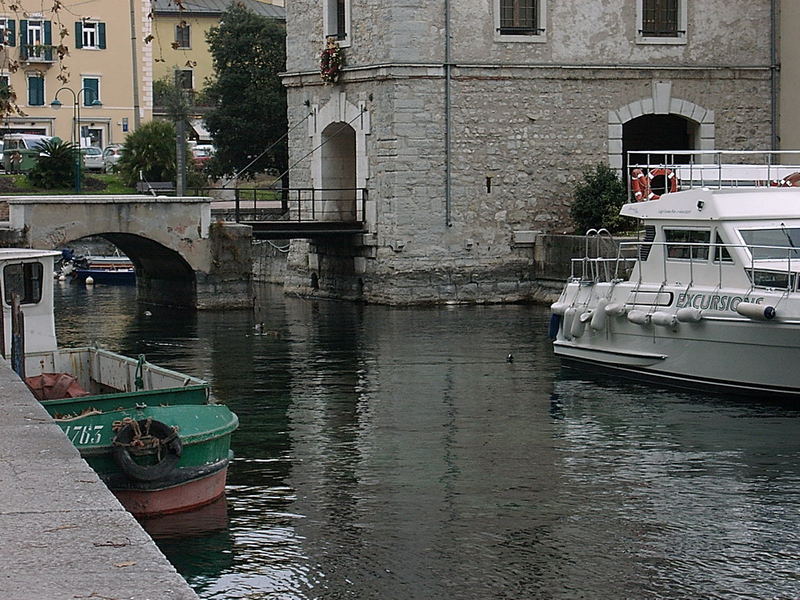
(55,167)
(249,114)
(149,151)
(598,199)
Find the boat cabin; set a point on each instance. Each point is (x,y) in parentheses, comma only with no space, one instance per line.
(29,274)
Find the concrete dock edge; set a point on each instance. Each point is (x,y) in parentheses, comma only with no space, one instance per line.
(63,535)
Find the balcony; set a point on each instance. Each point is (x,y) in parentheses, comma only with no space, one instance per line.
(36,53)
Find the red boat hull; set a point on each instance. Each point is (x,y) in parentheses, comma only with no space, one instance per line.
(175,498)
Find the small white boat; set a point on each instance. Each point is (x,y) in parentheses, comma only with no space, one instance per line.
(709,297)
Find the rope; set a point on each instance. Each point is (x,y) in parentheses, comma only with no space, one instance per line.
(325,141)
(270,147)
(138,382)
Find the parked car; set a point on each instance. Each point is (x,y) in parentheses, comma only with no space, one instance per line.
(202,154)
(92,158)
(111,155)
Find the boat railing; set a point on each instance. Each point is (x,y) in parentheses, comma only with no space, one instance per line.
(662,171)
(767,267)
(602,260)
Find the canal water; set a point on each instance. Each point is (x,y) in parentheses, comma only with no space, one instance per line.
(390,453)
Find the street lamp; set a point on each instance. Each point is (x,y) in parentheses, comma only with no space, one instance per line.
(76,116)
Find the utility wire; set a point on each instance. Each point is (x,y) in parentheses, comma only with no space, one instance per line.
(325,141)
(270,147)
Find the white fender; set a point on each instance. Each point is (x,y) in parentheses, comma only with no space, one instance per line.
(558,308)
(599,315)
(639,317)
(664,319)
(587,316)
(569,317)
(578,327)
(756,311)
(615,310)
(689,315)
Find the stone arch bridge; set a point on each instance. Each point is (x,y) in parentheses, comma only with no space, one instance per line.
(181,257)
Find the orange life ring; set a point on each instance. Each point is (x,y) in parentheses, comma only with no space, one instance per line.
(792,180)
(670,178)
(640,185)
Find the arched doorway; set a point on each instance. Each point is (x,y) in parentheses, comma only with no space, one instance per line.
(656,136)
(338,172)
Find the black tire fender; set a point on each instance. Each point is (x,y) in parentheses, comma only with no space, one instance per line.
(170,445)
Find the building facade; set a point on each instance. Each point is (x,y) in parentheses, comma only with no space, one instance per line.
(91,56)
(181,53)
(470,123)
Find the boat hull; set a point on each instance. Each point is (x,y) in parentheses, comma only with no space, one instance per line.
(722,351)
(174,498)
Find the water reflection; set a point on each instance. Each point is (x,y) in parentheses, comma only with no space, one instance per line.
(390,453)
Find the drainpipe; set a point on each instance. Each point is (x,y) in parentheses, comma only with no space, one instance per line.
(133,65)
(447,170)
(774,72)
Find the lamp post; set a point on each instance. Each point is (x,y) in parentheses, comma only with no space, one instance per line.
(76,131)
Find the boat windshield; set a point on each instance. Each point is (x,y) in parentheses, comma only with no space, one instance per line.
(775,243)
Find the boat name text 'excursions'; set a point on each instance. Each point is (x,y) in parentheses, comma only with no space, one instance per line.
(713,302)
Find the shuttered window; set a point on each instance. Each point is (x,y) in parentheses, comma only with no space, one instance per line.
(519,17)
(660,18)
(35,90)
(91,90)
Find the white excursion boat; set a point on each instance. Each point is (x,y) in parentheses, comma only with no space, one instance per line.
(709,297)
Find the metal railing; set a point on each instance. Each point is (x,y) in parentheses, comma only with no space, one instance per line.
(763,273)
(299,205)
(715,168)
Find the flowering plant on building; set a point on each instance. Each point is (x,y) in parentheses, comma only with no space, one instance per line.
(330,62)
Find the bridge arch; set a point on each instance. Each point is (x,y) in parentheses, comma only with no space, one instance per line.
(163,276)
(182,258)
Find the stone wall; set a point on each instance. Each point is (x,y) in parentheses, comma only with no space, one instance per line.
(525,120)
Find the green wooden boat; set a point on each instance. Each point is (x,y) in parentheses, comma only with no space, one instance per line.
(149,432)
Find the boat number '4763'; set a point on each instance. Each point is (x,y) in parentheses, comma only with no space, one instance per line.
(84,434)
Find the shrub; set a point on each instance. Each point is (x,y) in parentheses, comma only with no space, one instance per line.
(55,167)
(598,199)
(149,151)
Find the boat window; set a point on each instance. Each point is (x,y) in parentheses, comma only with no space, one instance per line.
(720,250)
(770,279)
(24,279)
(675,239)
(775,243)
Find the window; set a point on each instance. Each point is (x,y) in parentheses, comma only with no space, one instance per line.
(7,33)
(24,279)
(35,90)
(661,21)
(771,279)
(771,244)
(721,253)
(692,238)
(184,79)
(91,91)
(183,38)
(519,20)
(90,35)
(337,21)
(36,39)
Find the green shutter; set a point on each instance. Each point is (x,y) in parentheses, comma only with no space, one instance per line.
(78,34)
(35,91)
(23,39)
(48,41)
(12,34)
(91,91)
(101,36)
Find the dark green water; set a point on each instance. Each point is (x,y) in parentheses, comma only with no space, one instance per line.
(395,454)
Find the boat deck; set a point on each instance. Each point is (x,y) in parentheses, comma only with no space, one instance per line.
(72,539)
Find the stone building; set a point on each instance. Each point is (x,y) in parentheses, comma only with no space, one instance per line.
(469,124)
